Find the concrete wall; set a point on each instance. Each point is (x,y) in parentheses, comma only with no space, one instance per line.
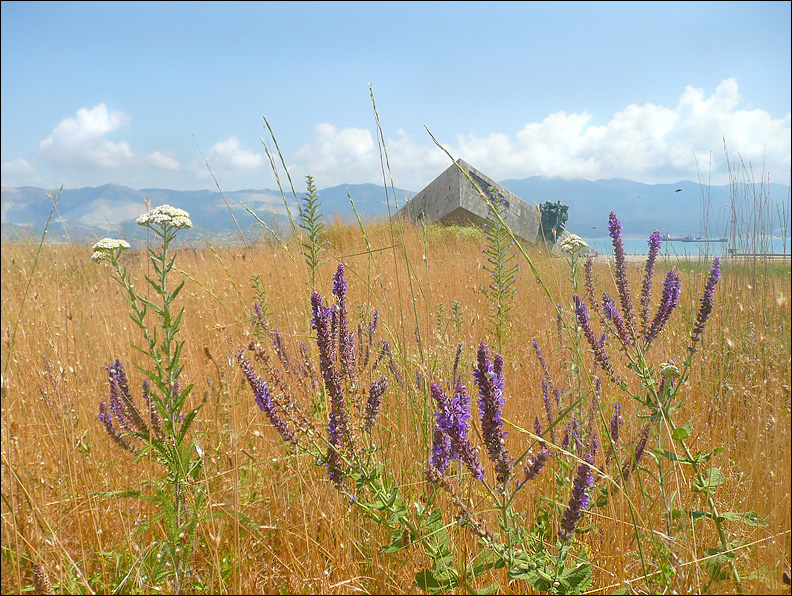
(451,199)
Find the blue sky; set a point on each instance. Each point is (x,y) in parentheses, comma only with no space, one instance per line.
(139,93)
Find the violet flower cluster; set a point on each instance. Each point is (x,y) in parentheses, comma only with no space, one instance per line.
(338,425)
(672,287)
(643,437)
(547,385)
(623,318)
(346,340)
(535,463)
(488,375)
(337,364)
(548,404)
(121,407)
(441,450)
(614,427)
(707,302)
(600,356)
(655,243)
(376,392)
(385,352)
(588,270)
(612,314)
(263,397)
(451,431)
(615,229)
(580,499)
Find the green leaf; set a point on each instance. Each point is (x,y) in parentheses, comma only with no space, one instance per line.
(715,564)
(185,425)
(695,515)
(712,479)
(427,582)
(490,589)
(177,290)
(749,518)
(396,542)
(485,561)
(682,432)
(529,568)
(704,456)
(575,580)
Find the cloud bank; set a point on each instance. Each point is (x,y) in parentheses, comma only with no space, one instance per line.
(646,143)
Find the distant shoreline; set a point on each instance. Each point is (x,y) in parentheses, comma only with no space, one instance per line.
(634,258)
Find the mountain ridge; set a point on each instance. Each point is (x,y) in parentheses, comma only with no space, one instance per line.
(93,212)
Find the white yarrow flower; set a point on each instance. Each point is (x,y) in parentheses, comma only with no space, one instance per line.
(106,247)
(110,244)
(573,243)
(165,215)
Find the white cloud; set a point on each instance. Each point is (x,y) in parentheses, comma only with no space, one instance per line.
(22,173)
(81,142)
(336,156)
(84,150)
(162,161)
(647,143)
(229,154)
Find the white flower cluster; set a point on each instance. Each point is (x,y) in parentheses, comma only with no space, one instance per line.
(669,369)
(104,249)
(165,216)
(573,243)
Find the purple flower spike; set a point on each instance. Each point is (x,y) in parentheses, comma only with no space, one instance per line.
(614,229)
(580,498)
(615,422)
(121,404)
(548,404)
(655,242)
(542,363)
(106,418)
(456,362)
(600,356)
(488,375)
(560,324)
(707,302)
(639,449)
(376,392)
(452,419)
(263,398)
(258,317)
(441,449)
(338,425)
(536,462)
(589,275)
(613,315)
(346,340)
(339,283)
(672,287)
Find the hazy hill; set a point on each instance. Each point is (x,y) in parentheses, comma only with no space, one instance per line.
(641,207)
(91,213)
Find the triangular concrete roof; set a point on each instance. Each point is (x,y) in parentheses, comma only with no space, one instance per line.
(451,199)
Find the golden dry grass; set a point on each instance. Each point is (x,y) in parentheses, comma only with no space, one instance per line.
(56,457)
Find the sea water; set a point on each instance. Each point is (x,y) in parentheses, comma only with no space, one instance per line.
(640,246)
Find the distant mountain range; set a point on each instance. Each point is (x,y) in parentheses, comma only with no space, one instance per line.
(110,210)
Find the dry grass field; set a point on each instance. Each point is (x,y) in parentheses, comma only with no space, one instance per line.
(272,521)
